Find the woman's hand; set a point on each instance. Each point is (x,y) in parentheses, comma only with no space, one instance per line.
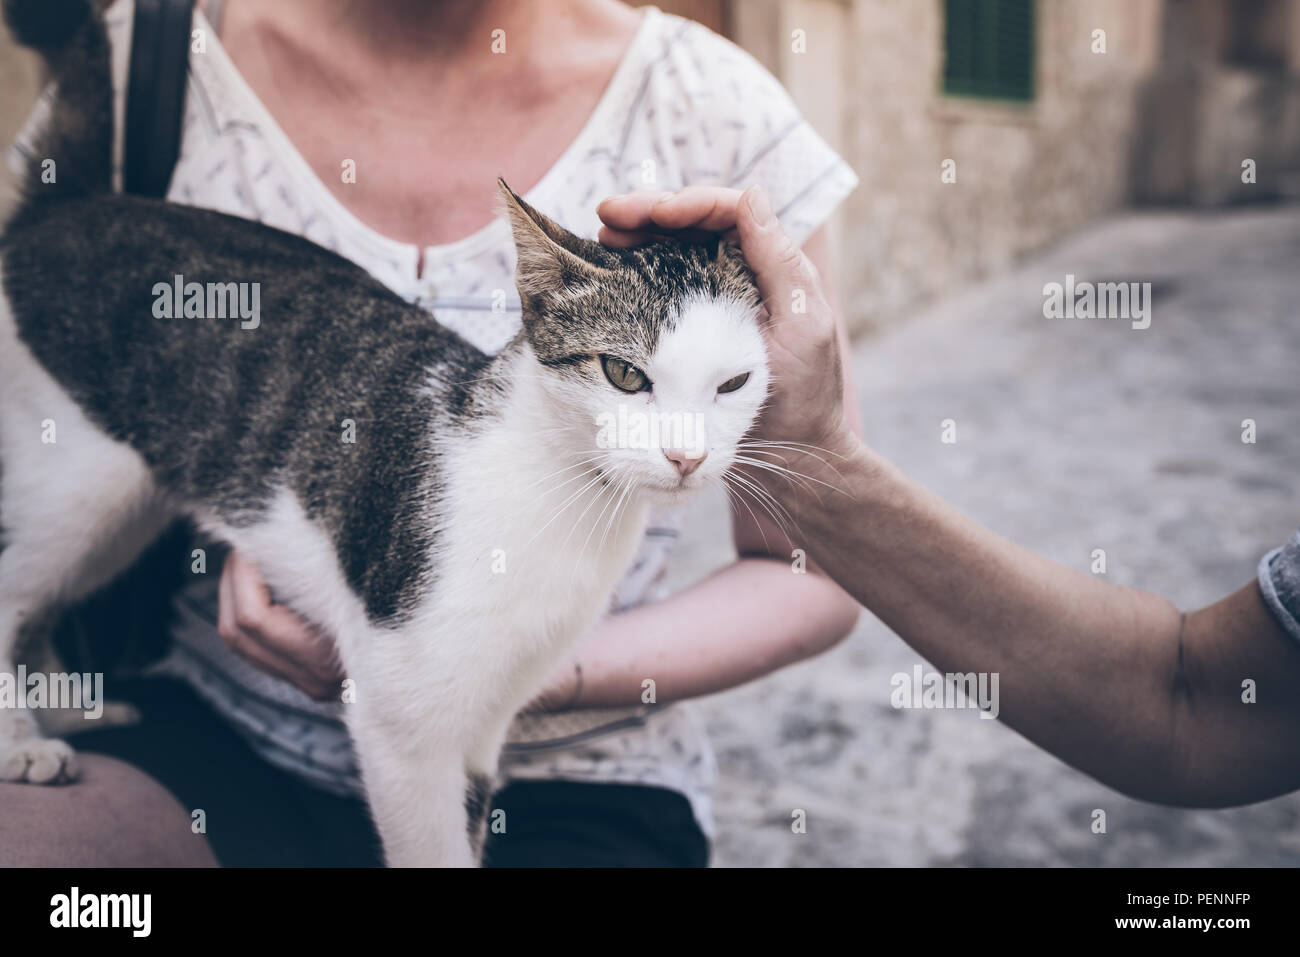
(562,690)
(806,407)
(272,637)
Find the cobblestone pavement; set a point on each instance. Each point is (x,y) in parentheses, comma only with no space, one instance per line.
(1072,435)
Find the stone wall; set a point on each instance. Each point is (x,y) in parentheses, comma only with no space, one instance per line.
(1227,91)
(1185,90)
(1025,173)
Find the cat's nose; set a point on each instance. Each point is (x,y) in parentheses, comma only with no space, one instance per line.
(685,462)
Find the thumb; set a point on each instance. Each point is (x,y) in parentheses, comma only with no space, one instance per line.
(780,267)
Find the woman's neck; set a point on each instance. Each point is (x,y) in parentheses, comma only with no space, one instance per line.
(425,98)
(418,30)
(441,36)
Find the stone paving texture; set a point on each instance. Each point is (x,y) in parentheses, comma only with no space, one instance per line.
(1071,435)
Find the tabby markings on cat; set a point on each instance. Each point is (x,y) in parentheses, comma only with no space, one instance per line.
(213,300)
(381,541)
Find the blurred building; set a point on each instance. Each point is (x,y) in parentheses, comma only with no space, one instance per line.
(1051,111)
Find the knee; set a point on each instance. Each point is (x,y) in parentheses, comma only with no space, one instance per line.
(113,816)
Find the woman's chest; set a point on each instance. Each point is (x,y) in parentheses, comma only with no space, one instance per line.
(428,180)
(414,204)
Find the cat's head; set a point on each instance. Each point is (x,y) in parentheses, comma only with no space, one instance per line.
(652,357)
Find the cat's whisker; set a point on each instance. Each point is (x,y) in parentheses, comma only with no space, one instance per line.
(594,470)
(780,462)
(744,496)
(783,470)
(595,498)
(797,447)
(595,523)
(565,505)
(570,480)
(789,475)
(613,496)
(564,468)
(755,451)
(784,443)
(595,456)
(623,498)
(764,500)
(734,496)
(779,513)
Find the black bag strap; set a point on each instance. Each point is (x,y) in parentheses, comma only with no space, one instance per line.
(155,94)
(127,623)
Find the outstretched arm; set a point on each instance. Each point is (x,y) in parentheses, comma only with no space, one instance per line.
(1113,680)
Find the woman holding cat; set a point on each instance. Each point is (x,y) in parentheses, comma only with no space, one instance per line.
(368,128)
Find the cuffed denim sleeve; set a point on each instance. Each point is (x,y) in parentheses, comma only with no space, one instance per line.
(1279,583)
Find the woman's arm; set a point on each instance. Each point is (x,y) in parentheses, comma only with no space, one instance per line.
(1113,680)
(744,621)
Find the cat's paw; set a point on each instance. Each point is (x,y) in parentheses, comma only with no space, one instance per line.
(38,761)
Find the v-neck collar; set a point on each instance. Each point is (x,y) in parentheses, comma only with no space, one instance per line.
(491,233)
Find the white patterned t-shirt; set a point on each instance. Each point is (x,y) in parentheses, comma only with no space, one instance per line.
(684,107)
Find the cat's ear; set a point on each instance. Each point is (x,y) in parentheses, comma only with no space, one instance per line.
(549,256)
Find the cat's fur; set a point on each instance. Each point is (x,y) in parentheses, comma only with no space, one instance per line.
(455,549)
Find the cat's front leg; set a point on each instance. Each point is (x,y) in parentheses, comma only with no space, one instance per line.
(26,755)
(417,792)
(413,754)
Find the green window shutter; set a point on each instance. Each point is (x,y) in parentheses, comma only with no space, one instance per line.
(989,48)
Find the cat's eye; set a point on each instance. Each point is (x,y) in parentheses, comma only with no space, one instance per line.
(624,375)
(734,383)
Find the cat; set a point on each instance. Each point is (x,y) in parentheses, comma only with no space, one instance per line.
(472,529)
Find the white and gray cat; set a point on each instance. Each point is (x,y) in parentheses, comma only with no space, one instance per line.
(474,528)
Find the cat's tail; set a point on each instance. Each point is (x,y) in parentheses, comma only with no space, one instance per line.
(73,153)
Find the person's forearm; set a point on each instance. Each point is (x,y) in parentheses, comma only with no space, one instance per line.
(1095,673)
(1113,680)
(743,622)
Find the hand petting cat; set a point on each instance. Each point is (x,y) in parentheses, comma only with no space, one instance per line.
(806,409)
(271,636)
